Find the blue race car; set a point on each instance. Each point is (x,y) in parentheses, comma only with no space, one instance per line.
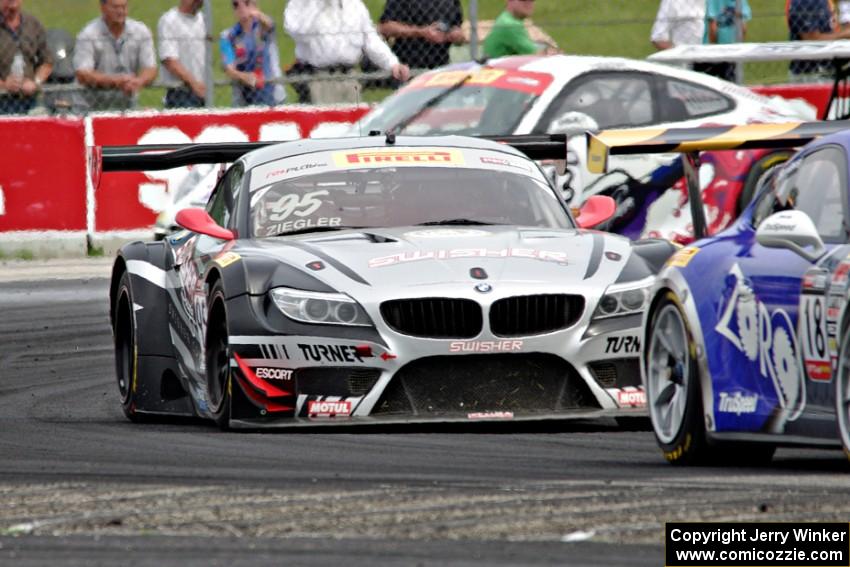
(746,338)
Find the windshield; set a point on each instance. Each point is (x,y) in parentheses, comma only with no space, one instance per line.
(490,102)
(404,196)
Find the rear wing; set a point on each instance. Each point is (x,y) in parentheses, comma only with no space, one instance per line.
(690,141)
(155,157)
(167,156)
(836,51)
(754,52)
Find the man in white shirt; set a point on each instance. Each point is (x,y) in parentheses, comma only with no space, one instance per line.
(678,22)
(333,36)
(182,35)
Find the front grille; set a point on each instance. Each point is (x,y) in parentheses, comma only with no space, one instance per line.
(534,314)
(616,373)
(434,317)
(336,381)
(460,385)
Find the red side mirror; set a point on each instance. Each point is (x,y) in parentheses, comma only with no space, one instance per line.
(596,210)
(197,220)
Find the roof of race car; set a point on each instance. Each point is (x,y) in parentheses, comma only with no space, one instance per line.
(307,146)
(566,67)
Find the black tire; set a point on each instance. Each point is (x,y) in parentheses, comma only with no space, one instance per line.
(757,171)
(126,348)
(217,356)
(683,442)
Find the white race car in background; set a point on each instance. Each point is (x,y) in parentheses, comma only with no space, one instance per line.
(572,94)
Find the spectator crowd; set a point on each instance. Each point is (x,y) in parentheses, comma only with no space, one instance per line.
(116,56)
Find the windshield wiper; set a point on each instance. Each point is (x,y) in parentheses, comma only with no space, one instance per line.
(319,229)
(455,222)
(430,103)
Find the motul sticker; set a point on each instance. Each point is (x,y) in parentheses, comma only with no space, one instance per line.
(629,397)
(329,409)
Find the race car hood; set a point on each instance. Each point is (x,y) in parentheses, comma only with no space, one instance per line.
(412,261)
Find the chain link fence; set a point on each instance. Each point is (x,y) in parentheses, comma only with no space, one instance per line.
(273,65)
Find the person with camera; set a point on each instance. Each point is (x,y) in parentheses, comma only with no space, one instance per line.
(423,30)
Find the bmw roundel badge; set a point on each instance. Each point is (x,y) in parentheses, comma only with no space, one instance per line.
(483,287)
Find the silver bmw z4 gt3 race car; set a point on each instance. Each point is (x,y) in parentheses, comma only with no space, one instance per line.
(379,280)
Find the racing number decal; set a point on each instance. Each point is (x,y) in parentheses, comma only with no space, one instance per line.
(302,206)
(814,331)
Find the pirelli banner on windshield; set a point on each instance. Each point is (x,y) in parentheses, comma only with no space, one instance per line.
(605,143)
(757,544)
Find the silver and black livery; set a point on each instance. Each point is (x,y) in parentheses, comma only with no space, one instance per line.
(379,279)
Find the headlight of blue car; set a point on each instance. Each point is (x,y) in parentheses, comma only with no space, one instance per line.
(624,299)
(322,308)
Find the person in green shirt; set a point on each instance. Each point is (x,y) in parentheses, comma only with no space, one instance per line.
(509,36)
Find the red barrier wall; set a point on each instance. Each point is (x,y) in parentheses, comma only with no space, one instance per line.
(42,174)
(127,201)
(815,94)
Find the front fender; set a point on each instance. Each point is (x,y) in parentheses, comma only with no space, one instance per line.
(146,264)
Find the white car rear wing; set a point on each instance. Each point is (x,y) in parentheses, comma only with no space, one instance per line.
(838,52)
(754,52)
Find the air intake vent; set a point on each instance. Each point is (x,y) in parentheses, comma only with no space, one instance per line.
(534,314)
(523,383)
(434,317)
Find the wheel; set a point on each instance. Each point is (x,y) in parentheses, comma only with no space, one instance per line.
(126,348)
(842,392)
(757,171)
(675,399)
(217,356)
(672,386)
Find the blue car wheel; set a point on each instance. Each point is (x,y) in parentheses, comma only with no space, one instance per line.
(672,385)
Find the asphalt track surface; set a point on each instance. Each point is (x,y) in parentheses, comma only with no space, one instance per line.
(80,485)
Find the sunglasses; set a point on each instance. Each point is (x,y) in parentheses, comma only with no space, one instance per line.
(236,3)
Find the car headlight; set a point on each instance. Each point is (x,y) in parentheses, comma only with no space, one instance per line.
(322,308)
(624,299)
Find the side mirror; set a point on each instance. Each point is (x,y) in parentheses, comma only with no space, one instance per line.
(197,220)
(793,230)
(595,211)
